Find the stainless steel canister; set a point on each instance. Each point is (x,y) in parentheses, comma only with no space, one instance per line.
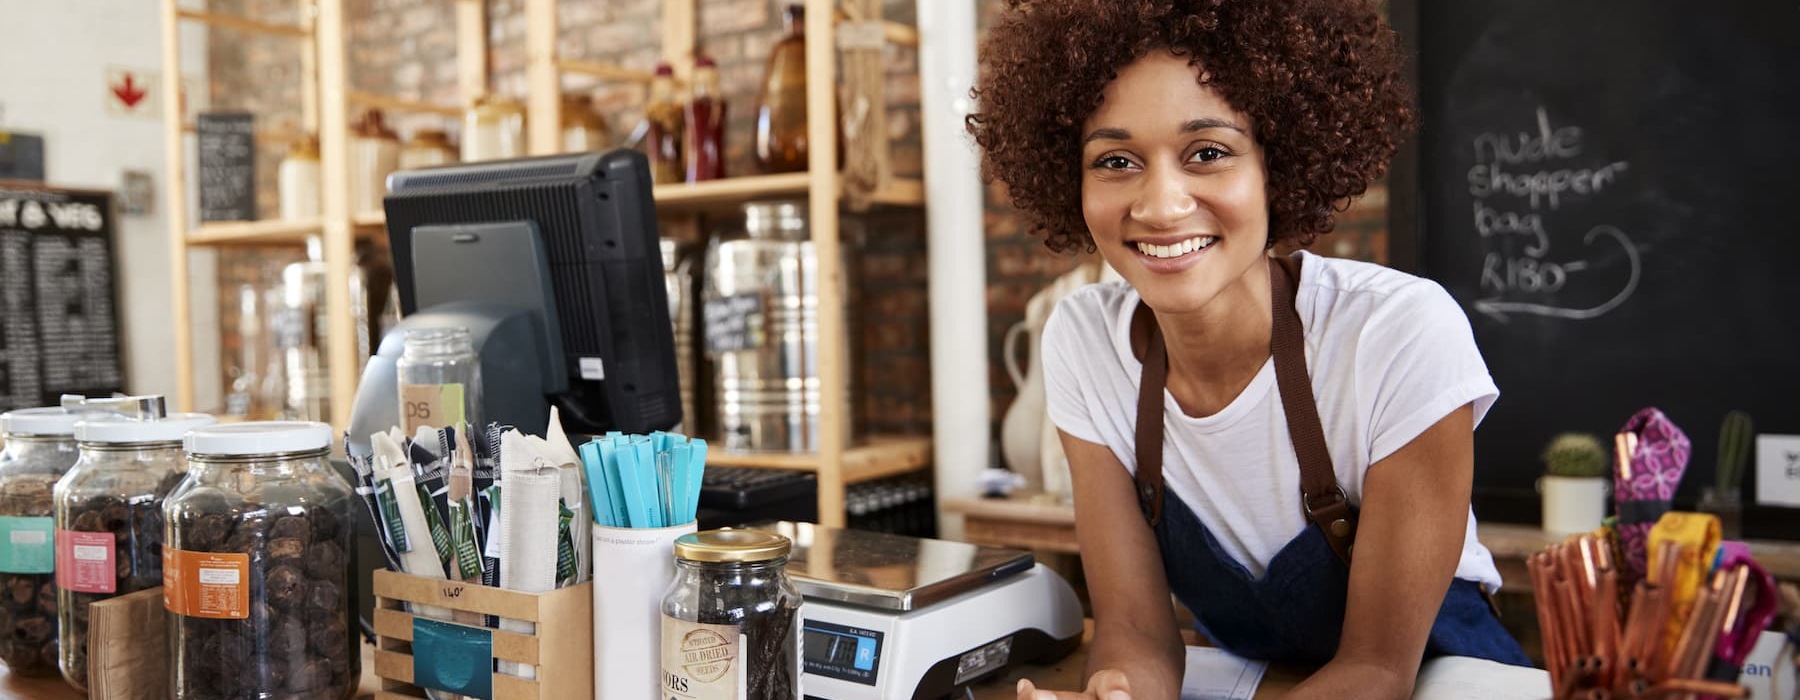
(768,393)
(678,277)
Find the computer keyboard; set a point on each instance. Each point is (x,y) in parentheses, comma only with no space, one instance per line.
(743,488)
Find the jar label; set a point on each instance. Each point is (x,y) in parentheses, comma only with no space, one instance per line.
(430,405)
(206,584)
(84,562)
(27,545)
(702,662)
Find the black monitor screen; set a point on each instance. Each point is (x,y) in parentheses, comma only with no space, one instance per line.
(597,220)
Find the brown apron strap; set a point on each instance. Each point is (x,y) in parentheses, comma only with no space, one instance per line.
(1322,499)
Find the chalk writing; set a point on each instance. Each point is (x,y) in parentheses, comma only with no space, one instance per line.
(1528,166)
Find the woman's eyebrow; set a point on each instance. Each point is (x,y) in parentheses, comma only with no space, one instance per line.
(1191,126)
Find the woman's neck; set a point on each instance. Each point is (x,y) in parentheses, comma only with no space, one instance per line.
(1215,351)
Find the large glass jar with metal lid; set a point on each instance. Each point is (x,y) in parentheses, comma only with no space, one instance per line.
(40,447)
(731,606)
(109,520)
(255,574)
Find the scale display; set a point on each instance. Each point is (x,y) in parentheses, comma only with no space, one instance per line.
(844,653)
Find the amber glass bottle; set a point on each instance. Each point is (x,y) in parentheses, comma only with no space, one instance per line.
(663,143)
(705,118)
(781,105)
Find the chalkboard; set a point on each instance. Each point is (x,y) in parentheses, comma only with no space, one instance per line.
(734,322)
(227,177)
(1609,188)
(59,325)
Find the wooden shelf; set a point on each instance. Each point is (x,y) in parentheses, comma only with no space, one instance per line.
(605,71)
(254,232)
(245,24)
(396,104)
(880,457)
(732,191)
(370,219)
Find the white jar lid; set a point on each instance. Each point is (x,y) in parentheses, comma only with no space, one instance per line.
(264,438)
(120,430)
(52,420)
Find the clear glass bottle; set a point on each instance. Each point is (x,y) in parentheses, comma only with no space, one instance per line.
(663,144)
(297,181)
(299,328)
(781,104)
(40,448)
(730,583)
(257,567)
(583,130)
(109,521)
(705,118)
(374,154)
(439,378)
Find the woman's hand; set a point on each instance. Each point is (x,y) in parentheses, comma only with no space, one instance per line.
(1104,685)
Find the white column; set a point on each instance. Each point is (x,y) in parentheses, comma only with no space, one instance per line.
(957,253)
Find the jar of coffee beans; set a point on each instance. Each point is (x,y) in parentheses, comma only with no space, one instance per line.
(731,618)
(40,447)
(256,568)
(109,521)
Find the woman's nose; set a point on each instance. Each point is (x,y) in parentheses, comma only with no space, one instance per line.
(1163,200)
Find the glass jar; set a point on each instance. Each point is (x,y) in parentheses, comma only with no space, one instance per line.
(299,330)
(298,181)
(374,154)
(781,104)
(493,129)
(40,447)
(705,118)
(256,568)
(426,148)
(439,379)
(109,521)
(732,604)
(663,112)
(583,130)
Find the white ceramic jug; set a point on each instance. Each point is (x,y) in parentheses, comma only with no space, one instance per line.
(1021,429)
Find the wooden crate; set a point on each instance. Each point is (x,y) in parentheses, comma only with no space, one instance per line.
(562,648)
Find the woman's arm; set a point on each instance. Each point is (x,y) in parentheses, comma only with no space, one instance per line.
(1409,539)
(1134,620)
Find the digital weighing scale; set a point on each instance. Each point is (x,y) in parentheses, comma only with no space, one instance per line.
(892,617)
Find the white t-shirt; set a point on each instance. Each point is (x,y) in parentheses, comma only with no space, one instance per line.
(1390,355)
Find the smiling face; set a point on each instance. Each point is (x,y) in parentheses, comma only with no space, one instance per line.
(1172,186)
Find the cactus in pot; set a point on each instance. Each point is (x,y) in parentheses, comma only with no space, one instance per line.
(1574,484)
(1724,499)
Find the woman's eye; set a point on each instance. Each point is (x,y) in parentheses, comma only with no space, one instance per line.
(1112,163)
(1209,154)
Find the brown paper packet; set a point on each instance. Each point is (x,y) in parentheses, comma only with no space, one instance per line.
(128,656)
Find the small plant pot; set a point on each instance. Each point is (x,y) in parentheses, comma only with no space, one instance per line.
(1728,506)
(1572,505)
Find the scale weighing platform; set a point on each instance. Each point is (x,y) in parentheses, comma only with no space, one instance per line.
(891,617)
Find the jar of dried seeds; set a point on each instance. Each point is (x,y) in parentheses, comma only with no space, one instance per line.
(731,619)
(255,574)
(109,521)
(40,447)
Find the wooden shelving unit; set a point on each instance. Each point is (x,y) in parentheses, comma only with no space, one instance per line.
(838,464)
(328,104)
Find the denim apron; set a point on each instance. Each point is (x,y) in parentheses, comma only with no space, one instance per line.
(1294,612)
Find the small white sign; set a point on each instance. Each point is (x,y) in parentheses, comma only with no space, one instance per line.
(592,369)
(88,552)
(29,537)
(1768,672)
(133,92)
(1778,470)
(219,577)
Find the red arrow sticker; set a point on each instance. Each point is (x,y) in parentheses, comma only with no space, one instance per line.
(128,92)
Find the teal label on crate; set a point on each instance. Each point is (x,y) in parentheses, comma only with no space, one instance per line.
(440,535)
(27,545)
(453,658)
(390,514)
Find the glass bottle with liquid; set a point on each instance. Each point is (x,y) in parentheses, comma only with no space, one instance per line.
(664,114)
(781,104)
(705,117)
(439,378)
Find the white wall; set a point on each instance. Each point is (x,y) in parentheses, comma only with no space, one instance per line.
(54,56)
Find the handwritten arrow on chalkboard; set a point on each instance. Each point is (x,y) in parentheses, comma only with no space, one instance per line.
(1498,310)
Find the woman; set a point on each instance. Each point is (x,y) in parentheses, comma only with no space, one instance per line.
(1183,140)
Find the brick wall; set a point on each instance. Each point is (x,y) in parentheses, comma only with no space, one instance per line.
(407,48)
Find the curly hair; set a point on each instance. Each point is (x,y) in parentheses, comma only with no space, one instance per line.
(1320,80)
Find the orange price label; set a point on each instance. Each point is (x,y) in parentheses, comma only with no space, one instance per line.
(205,584)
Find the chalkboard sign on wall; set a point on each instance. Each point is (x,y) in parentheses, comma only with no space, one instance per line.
(59,326)
(227,176)
(1609,188)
